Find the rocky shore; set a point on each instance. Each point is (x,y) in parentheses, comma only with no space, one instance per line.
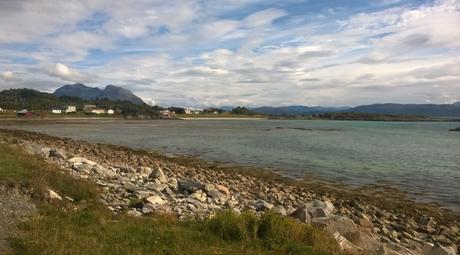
(141,184)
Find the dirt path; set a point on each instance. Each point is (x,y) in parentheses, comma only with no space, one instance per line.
(14,207)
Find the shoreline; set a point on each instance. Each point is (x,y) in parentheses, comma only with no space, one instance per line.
(222,118)
(365,205)
(408,194)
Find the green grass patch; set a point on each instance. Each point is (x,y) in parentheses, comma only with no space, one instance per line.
(87,227)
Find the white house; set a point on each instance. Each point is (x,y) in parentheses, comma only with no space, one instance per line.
(167,114)
(59,111)
(110,112)
(98,111)
(188,110)
(71,108)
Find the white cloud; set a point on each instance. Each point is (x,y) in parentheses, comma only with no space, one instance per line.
(8,76)
(200,52)
(263,18)
(66,73)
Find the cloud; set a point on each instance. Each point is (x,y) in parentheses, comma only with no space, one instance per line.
(231,52)
(66,73)
(9,76)
(263,18)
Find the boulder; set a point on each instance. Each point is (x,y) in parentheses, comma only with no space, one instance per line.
(280,210)
(262,205)
(217,196)
(318,208)
(80,160)
(131,187)
(302,214)
(314,209)
(155,200)
(438,249)
(159,187)
(345,245)
(343,225)
(144,171)
(223,189)
(82,167)
(347,228)
(190,185)
(199,195)
(59,155)
(173,184)
(53,195)
(38,150)
(383,250)
(157,173)
(100,170)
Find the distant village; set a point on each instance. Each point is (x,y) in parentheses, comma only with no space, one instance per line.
(89,109)
(168,113)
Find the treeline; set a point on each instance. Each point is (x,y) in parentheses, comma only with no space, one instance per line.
(33,100)
(368,116)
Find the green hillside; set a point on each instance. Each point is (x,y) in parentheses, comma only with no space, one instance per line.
(32,100)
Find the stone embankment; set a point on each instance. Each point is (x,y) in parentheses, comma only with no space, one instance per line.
(141,184)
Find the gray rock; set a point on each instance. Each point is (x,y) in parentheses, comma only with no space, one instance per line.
(53,195)
(438,249)
(157,173)
(262,205)
(131,187)
(314,209)
(38,150)
(190,185)
(199,195)
(155,200)
(280,210)
(346,245)
(100,170)
(318,208)
(147,208)
(173,184)
(159,187)
(80,160)
(347,228)
(302,214)
(216,195)
(57,155)
(383,250)
(144,171)
(82,167)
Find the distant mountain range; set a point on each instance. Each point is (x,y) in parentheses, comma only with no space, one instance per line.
(296,110)
(432,110)
(110,92)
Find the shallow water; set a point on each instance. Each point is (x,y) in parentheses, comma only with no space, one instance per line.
(422,158)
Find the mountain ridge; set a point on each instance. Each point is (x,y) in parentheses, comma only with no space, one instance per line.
(431,110)
(110,92)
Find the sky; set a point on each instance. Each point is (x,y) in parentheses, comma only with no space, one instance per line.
(237,52)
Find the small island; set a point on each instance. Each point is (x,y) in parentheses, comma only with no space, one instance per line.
(455,129)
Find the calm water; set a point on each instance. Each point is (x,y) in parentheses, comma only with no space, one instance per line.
(422,158)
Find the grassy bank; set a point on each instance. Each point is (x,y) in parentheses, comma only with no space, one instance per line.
(85,227)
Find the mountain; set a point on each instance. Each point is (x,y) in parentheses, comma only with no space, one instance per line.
(119,94)
(110,92)
(296,110)
(78,90)
(432,110)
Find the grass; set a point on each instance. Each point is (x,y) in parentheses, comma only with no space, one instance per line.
(86,227)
